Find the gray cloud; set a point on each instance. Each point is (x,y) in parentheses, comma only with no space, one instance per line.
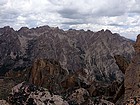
(3,2)
(70,13)
(117,25)
(73,23)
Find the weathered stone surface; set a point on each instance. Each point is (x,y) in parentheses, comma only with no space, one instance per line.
(123,64)
(137,45)
(132,75)
(4,102)
(28,94)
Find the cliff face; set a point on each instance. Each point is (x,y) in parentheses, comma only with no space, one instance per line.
(132,75)
(75,50)
(47,73)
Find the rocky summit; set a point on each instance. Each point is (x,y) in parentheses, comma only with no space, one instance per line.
(50,66)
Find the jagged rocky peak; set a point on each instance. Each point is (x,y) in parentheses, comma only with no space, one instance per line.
(137,44)
(107,30)
(7,30)
(23,29)
(41,29)
(10,48)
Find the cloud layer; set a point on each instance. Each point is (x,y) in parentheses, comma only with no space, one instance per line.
(121,16)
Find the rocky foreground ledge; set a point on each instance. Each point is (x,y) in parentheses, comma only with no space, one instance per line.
(28,94)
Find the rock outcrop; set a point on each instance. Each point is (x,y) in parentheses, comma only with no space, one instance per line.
(47,73)
(122,62)
(28,94)
(132,75)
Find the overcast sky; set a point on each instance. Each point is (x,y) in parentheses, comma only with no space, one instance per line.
(121,16)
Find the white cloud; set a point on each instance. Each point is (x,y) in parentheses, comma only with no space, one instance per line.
(121,16)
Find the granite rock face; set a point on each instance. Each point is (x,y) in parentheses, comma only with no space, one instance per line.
(74,49)
(132,75)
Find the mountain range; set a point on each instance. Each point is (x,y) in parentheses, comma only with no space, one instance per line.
(74,49)
(77,67)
